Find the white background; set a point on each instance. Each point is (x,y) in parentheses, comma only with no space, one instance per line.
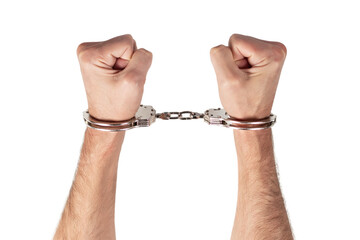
(178,180)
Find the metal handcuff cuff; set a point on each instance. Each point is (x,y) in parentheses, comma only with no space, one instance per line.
(146,115)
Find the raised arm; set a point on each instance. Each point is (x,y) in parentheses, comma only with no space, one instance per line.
(114,74)
(248,72)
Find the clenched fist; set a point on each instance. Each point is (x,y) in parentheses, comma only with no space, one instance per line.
(248,71)
(114,73)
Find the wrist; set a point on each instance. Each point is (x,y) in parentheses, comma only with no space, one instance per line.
(253,145)
(100,147)
(250,136)
(116,114)
(108,140)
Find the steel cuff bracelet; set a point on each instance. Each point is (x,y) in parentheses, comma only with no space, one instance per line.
(146,115)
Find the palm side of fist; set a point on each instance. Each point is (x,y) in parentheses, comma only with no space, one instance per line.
(247,72)
(114,74)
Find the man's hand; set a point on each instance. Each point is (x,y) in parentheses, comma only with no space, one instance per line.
(248,72)
(114,73)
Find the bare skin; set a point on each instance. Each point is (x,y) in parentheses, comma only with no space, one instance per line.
(114,74)
(248,71)
(89,210)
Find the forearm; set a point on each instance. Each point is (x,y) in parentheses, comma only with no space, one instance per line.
(89,210)
(260,212)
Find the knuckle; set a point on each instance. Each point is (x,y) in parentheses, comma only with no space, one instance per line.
(238,39)
(85,53)
(234,38)
(281,45)
(146,52)
(127,39)
(81,47)
(278,51)
(278,55)
(216,50)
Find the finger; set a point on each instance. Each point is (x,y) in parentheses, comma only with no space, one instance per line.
(121,47)
(140,62)
(135,46)
(256,51)
(223,62)
(239,58)
(85,45)
(121,63)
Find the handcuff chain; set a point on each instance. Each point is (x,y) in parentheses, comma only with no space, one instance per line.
(146,115)
(184,115)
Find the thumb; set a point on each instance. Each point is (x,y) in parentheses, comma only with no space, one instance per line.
(140,62)
(223,62)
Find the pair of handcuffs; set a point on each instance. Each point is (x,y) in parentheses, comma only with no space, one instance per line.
(146,115)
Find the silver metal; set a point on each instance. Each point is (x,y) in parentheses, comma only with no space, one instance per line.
(184,115)
(144,117)
(220,117)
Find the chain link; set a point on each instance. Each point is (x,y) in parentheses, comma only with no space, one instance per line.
(184,115)
(146,115)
